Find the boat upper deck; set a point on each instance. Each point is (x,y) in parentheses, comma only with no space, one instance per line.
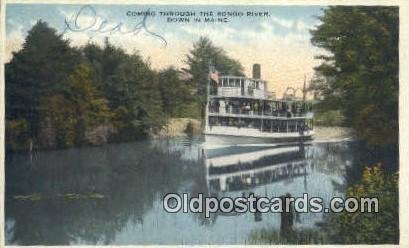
(234,86)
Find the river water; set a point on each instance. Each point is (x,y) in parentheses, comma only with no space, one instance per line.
(114,194)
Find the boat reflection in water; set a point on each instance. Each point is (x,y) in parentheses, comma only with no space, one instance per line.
(235,171)
(244,171)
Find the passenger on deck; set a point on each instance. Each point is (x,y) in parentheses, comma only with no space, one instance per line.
(222,107)
(289,113)
(248,108)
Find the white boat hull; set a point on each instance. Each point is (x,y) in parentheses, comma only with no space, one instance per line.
(235,136)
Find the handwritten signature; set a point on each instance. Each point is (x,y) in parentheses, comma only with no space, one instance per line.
(77,24)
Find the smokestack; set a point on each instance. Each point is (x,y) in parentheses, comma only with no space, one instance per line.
(256,71)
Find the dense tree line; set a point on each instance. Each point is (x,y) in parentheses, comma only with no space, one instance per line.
(60,96)
(360,73)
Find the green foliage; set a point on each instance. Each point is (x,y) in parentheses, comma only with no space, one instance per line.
(59,122)
(190,109)
(17,135)
(59,96)
(67,117)
(302,236)
(333,118)
(35,71)
(203,54)
(89,107)
(175,92)
(131,87)
(359,76)
(369,228)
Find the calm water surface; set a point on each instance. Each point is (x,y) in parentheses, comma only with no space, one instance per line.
(113,194)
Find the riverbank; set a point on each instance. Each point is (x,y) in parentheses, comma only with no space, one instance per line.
(324,133)
(177,127)
(180,127)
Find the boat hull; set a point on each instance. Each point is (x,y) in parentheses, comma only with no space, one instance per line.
(228,139)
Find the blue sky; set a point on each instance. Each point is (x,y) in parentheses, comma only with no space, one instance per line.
(27,14)
(279,42)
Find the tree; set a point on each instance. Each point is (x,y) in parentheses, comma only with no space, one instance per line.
(203,54)
(144,101)
(68,118)
(37,70)
(175,92)
(91,108)
(131,87)
(361,68)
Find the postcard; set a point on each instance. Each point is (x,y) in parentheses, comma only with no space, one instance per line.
(232,123)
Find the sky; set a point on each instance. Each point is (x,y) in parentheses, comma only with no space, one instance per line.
(280,41)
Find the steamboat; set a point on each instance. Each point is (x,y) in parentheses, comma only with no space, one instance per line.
(240,110)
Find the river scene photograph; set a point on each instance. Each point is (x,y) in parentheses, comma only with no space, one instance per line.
(201,124)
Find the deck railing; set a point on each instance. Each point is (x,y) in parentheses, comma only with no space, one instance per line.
(238,112)
(259,116)
(238,92)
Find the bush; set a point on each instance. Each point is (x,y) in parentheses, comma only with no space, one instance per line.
(329,118)
(303,236)
(17,135)
(369,228)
